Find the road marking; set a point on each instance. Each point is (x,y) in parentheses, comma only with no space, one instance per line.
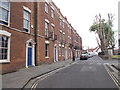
(99,63)
(90,63)
(113,77)
(47,75)
(40,79)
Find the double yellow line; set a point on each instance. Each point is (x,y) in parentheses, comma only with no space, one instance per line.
(113,77)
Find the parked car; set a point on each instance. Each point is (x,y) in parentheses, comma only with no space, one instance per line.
(91,54)
(101,53)
(84,56)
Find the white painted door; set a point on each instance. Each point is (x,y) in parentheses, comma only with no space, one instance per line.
(55,54)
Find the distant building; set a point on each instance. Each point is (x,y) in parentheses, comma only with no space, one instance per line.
(96,49)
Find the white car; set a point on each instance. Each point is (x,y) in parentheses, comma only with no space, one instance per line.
(84,56)
(91,54)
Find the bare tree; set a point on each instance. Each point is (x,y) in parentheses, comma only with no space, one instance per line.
(104,30)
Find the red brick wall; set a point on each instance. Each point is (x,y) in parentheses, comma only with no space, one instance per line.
(19,38)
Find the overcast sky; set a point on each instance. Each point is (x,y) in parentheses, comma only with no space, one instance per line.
(81,13)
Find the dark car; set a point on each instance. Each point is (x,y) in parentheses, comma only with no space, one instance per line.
(101,53)
(84,56)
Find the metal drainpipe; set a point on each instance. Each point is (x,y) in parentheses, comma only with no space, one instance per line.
(35,29)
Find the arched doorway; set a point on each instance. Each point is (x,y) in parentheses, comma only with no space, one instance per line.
(30,53)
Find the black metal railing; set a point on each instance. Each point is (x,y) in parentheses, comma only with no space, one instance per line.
(50,35)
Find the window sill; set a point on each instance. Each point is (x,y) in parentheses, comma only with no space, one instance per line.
(26,30)
(46,57)
(46,12)
(4,25)
(4,22)
(52,17)
(4,61)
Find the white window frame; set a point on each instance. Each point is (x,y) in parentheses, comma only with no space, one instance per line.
(46,20)
(27,10)
(53,30)
(46,28)
(8,22)
(60,22)
(47,50)
(52,13)
(47,1)
(61,36)
(7,34)
(60,50)
(63,23)
(46,7)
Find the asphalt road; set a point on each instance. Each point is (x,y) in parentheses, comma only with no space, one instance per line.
(89,73)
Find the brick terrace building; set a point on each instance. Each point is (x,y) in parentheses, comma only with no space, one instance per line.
(32,33)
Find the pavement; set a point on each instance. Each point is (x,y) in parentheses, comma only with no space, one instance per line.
(114,69)
(20,78)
